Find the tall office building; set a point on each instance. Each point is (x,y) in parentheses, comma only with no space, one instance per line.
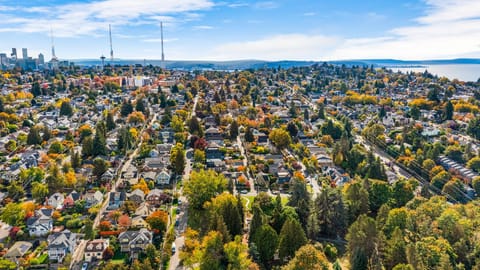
(24,53)
(14,53)
(3,59)
(41,59)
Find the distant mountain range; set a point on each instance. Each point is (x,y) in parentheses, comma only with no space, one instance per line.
(247,64)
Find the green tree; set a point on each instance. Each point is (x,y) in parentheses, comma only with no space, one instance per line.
(379,193)
(233,130)
(402,192)
(194,127)
(7,265)
(363,241)
(266,240)
(56,148)
(356,200)
(75,160)
(13,214)
(33,137)
(280,138)
(476,185)
(87,147)
(140,106)
(202,186)
(474,164)
(100,166)
(331,213)
(473,127)
(39,191)
(88,229)
(257,220)
(236,253)
(396,249)
(249,135)
(126,108)
(212,253)
(15,190)
(449,110)
(110,122)
(455,189)
(177,159)
(66,109)
(292,237)
(99,144)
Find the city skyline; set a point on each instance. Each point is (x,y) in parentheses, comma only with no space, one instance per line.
(233,30)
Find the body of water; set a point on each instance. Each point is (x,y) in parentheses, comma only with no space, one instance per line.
(462,72)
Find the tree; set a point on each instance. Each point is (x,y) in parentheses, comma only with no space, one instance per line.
(39,191)
(56,148)
(107,254)
(455,189)
(194,126)
(474,164)
(330,211)
(177,158)
(249,135)
(292,237)
(449,110)
(136,118)
(202,186)
(212,251)
(402,192)
(13,214)
(257,220)
(87,147)
(75,160)
(15,190)
(476,185)
(99,144)
(66,108)
(473,127)
(88,229)
(280,138)
(199,156)
(266,240)
(227,206)
(7,265)
(396,249)
(300,200)
(379,193)
(158,221)
(100,166)
(292,129)
(110,122)
(33,137)
(363,241)
(126,108)
(140,105)
(233,130)
(177,124)
(356,200)
(236,253)
(306,258)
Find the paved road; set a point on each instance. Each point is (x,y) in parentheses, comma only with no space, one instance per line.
(245,164)
(315,187)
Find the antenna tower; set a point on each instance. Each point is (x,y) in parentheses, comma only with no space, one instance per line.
(111,46)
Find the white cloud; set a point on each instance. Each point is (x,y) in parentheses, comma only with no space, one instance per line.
(309,14)
(237,5)
(266,5)
(203,27)
(278,47)
(86,18)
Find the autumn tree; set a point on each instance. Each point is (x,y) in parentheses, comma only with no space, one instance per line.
(158,221)
(306,258)
(280,138)
(13,214)
(39,191)
(177,158)
(202,186)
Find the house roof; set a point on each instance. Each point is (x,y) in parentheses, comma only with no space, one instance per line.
(96,245)
(18,249)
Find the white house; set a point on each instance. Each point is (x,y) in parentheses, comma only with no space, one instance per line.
(40,224)
(56,200)
(60,244)
(95,248)
(163,178)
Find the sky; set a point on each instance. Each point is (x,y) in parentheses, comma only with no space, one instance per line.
(243,29)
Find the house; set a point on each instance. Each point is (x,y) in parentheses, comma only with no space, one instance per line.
(18,250)
(41,223)
(95,248)
(155,164)
(60,244)
(213,151)
(324,161)
(116,200)
(71,199)
(283,176)
(143,210)
(93,198)
(134,242)
(56,200)
(163,178)
(108,176)
(137,196)
(217,164)
(213,134)
(154,197)
(139,222)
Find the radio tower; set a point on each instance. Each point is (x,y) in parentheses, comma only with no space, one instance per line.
(161,35)
(111,47)
(54,57)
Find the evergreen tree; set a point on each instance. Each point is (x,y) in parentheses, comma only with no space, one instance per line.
(449,110)
(87,147)
(233,130)
(66,109)
(33,137)
(47,134)
(249,135)
(140,106)
(292,237)
(126,108)
(99,144)
(36,91)
(75,160)
(266,240)
(110,122)
(257,220)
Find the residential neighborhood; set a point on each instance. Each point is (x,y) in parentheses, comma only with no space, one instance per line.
(118,166)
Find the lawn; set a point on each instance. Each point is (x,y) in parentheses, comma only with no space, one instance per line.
(119,258)
(249,199)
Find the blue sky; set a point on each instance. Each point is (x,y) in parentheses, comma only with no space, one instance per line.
(243,29)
